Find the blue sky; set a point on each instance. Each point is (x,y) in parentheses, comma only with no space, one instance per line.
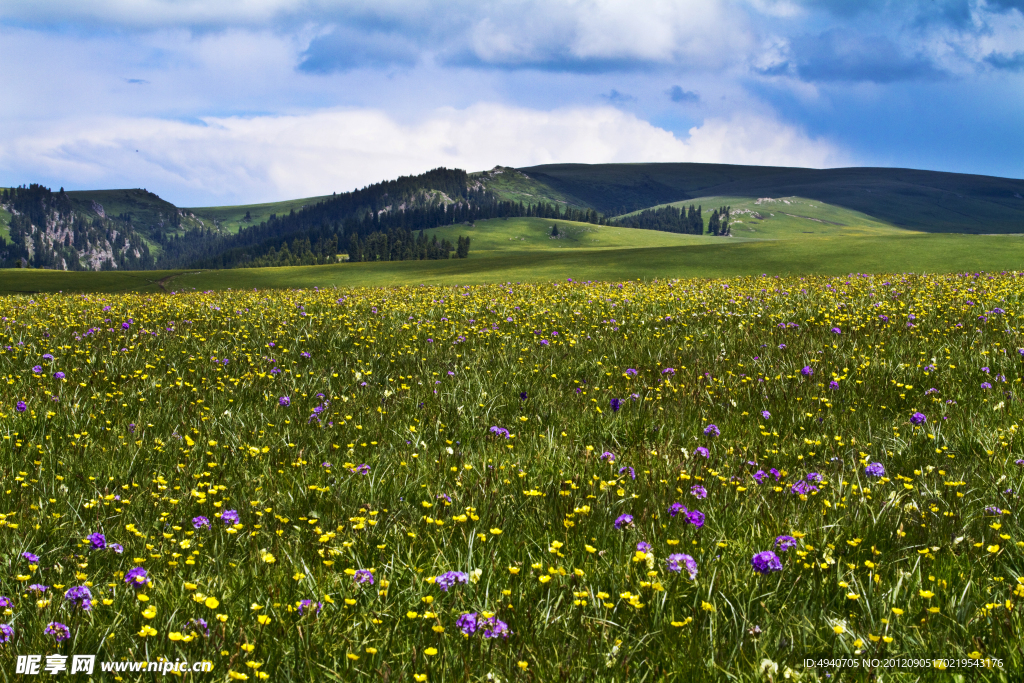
(207,102)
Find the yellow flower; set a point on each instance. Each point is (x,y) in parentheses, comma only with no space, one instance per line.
(420,677)
(268,558)
(513,570)
(174,635)
(147,631)
(993,548)
(352,656)
(496,531)
(523,665)
(371,650)
(897,611)
(411,614)
(926,594)
(707,607)
(590,548)
(839,629)
(149,612)
(222,618)
(430,651)
(212,602)
(852,596)
(545,578)
(264,619)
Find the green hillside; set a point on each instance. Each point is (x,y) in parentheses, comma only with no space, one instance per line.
(713,258)
(232,218)
(510,185)
(534,234)
(919,200)
(792,217)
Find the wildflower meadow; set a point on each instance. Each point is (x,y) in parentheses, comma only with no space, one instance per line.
(573,481)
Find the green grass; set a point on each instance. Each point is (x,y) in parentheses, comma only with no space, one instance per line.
(792,217)
(712,257)
(356,433)
(918,200)
(232,218)
(511,185)
(534,234)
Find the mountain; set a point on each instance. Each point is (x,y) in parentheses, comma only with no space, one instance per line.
(136,229)
(927,201)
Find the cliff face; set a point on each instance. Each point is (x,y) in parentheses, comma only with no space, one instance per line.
(47,231)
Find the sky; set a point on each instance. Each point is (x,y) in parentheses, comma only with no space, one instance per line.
(214,102)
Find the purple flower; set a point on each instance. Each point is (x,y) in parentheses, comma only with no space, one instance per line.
(623,521)
(37,369)
(200,522)
(765,414)
(116,547)
(499,431)
(137,577)
(629,470)
(30,557)
(918,418)
(699,492)
(307,604)
(125,325)
(696,518)
(305,354)
(884,318)
(766,562)
(985,370)
(284,401)
(523,396)
(760,476)
(47,356)
(448,579)
(200,623)
(81,596)
(363,576)
(97,540)
(836,330)
(20,407)
(615,404)
(38,588)
(702,451)
(993,510)
(643,546)
(675,508)
(58,375)
(363,469)
(467,623)
(668,371)
(58,630)
(802,488)
(807,371)
(6,633)
(784,543)
(986,385)
(608,456)
(631,372)
(833,385)
(712,430)
(775,473)
(494,628)
(677,561)
(229,517)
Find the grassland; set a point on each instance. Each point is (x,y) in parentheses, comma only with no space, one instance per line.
(232,218)
(712,257)
(651,482)
(511,185)
(793,218)
(918,200)
(535,234)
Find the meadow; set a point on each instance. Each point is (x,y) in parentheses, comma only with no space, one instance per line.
(585,481)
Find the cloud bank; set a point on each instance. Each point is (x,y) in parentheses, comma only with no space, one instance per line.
(264,158)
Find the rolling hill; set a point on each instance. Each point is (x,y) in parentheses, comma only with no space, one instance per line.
(929,201)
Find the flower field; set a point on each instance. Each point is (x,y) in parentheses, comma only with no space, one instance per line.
(672,480)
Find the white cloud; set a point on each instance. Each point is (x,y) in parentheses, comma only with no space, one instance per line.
(265,158)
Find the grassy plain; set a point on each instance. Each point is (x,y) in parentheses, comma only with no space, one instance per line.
(708,257)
